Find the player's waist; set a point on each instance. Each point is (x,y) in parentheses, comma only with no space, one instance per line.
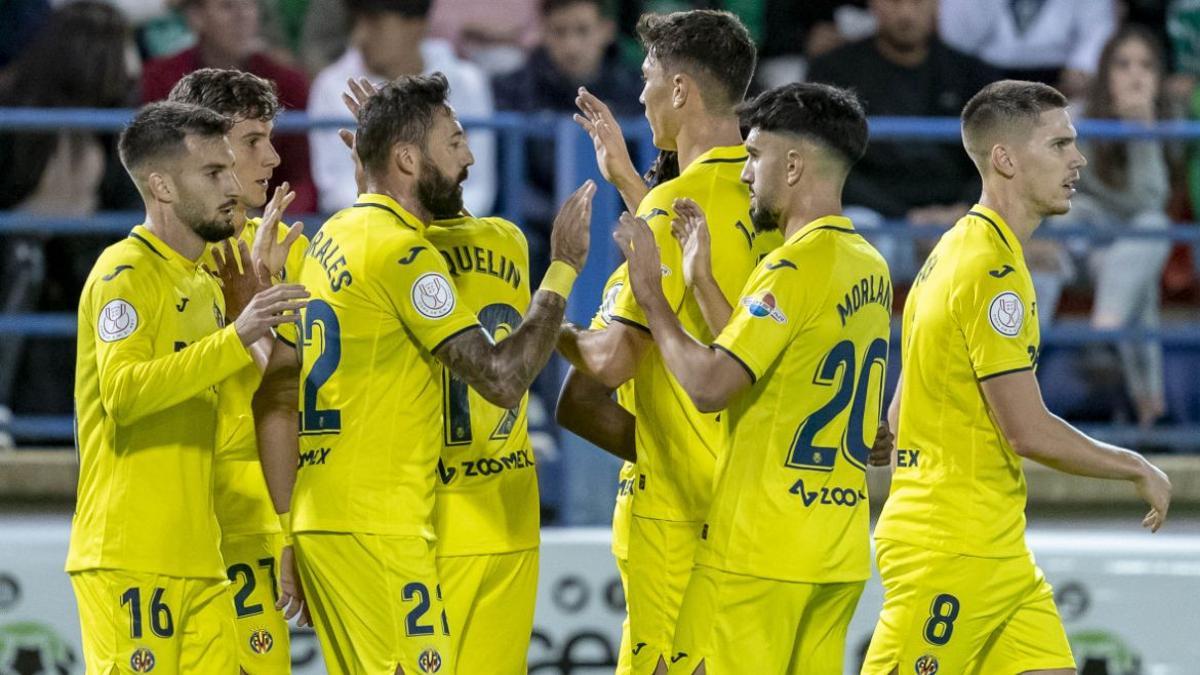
(471,473)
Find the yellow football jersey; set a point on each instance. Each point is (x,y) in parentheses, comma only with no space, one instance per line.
(677,445)
(242,501)
(623,507)
(811,330)
(371,392)
(487,492)
(152,348)
(958,486)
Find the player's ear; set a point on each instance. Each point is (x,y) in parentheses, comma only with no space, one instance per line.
(406,158)
(795,166)
(681,89)
(1003,161)
(161,186)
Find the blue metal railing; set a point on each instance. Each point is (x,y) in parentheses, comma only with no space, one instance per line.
(575,162)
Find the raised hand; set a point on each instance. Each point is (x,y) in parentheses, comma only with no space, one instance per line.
(636,241)
(571,236)
(690,228)
(239,282)
(268,308)
(291,595)
(612,154)
(1155,489)
(881,449)
(269,250)
(360,90)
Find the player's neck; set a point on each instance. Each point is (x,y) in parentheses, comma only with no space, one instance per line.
(173,232)
(809,204)
(701,134)
(1017,213)
(405,196)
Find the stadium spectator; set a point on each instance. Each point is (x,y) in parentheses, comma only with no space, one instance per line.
(78,59)
(904,69)
(389,40)
(1126,187)
(228,35)
(1053,41)
(19,22)
(577,50)
(496,35)
(795,33)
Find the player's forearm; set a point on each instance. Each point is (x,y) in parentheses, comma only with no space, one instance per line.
(713,305)
(587,409)
(131,390)
(632,189)
(598,354)
(503,372)
(691,362)
(275,422)
(1060,446)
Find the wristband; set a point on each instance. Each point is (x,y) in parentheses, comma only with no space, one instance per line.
(560,277)
(285,524)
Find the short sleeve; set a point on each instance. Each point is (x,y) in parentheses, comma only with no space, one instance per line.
(612,288)
(992,308)
(418,288)
(658,211)
(770,311)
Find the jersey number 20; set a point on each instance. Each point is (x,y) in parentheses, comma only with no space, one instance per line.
(852,391)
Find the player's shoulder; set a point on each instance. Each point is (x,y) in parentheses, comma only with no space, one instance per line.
(128,258)
(979,248)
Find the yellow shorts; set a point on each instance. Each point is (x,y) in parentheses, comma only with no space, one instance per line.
(624,666)
(376,603)
(661,553)
(489,601)
(951,613)
(741,624)
(137,622)
(252,563)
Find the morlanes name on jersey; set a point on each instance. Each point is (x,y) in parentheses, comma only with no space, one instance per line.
(875,290)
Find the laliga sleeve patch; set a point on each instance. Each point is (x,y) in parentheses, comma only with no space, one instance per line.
(1007,313)
(118,320)
(433,295)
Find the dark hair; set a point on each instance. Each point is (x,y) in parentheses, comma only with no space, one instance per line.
(159,130)
(1007,103)
(829,115)
(708,43)
(551,6)
(665,167)
(409,9)
(236,94)
(402,111)
(1111,160)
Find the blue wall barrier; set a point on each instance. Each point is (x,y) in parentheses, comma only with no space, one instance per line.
(575,162)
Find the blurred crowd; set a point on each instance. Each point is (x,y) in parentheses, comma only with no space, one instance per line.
(1132,60)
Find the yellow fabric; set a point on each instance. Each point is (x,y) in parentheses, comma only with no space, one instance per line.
(972,314)
(135,622)
(811,328)
(661,555)
(489,601)
(794,628)
(965,614)
(151,354)
(623,506)
(678,445)
(624,651)
(559,278)
(371,395)
(487,492)
(376,603)
(252,565)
